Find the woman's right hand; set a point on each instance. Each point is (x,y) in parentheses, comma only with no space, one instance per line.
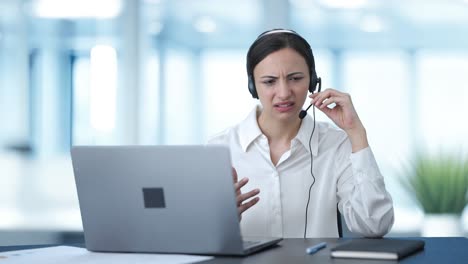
(240,197)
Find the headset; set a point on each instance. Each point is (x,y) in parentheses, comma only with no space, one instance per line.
(314,81)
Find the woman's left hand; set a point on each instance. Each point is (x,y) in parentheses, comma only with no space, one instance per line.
(343,115)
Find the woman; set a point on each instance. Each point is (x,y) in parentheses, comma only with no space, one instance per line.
(298,171)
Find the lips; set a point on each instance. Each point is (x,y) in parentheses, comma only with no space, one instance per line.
(284,106)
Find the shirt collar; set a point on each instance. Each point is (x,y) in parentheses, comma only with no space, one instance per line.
(249,131)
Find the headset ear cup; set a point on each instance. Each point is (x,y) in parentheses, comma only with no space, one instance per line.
(252,89)
(313,82)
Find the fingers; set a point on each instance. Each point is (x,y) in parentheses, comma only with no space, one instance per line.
(325,93)
(328,102)
(247,205)
(238,185)
(234,177)
(328,97)
(234,174)
(241,198)
(327,110)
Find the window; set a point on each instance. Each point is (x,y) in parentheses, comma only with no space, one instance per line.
(94,96)
(378,84)
(149,108)
(226,96)
(442,97)
(180,112)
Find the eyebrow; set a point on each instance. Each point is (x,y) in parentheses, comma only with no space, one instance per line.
(275,77)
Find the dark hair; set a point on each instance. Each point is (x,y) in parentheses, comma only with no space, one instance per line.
(274,40)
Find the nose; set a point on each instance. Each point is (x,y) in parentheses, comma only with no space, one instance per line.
(283,90)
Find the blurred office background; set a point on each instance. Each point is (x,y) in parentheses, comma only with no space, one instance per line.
(114,72)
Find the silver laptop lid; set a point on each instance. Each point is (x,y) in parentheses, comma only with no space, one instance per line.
(174,199)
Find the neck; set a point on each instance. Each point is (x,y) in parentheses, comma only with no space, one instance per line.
(278,131)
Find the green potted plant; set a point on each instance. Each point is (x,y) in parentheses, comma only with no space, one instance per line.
(439,185)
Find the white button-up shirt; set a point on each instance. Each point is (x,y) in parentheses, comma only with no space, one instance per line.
(351,180)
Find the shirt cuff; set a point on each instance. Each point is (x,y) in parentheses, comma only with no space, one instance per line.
(364,165)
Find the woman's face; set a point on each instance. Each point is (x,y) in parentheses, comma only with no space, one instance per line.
(282,81)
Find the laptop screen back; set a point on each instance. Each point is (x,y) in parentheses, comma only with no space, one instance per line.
(173,199)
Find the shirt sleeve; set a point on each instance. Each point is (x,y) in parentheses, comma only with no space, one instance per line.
(364,202)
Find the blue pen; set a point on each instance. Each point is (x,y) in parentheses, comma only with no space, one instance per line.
(313,249)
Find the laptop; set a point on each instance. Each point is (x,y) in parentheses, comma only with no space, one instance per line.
(161,199)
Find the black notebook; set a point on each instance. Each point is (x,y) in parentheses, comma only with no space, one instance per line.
(383,248)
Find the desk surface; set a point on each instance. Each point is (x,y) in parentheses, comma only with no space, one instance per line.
(292,251)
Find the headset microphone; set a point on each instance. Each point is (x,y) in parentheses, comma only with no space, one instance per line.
(303,113)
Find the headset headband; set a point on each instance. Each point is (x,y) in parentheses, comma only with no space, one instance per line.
(273,31)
